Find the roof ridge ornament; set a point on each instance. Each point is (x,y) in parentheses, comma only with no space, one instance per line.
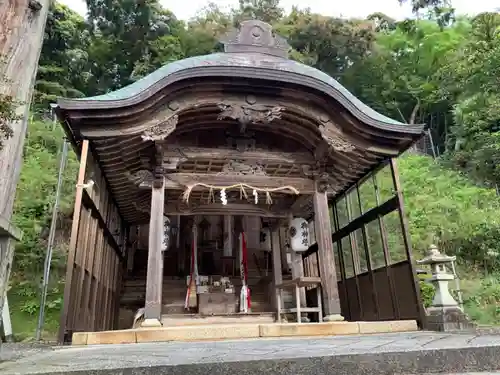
(256,36)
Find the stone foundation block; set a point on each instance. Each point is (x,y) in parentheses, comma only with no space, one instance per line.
(111,337)
(448,319)
(404,326)
(79,338)
(309,329)
(374,327)
(198,333)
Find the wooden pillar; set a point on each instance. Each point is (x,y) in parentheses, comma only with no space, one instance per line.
(72,249)
(277,276)
(297,265)
(228,235)
(131,256)
(154,281)
(284,251)
(195,251)
(329,286)
(406,239)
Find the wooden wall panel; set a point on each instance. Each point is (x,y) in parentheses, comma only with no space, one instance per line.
(407,305)
(96,255)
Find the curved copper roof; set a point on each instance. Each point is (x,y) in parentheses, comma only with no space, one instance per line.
(318,113)
(245,57)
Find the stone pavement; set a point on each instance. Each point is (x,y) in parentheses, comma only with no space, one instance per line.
(398,353)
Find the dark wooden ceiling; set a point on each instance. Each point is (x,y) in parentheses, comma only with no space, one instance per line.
(305,143)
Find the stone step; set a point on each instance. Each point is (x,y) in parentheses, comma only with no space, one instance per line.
(173,308)
(172,320)
(230,331)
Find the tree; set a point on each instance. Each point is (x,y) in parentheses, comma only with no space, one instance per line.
(63,62)
(268,11)
(126,40)
(329,44)
(475,76)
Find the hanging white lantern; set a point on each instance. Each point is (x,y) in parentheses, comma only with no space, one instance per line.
(166,234)
(265,239)
(299,235)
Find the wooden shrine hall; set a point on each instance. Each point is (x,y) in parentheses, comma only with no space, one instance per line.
(236,185)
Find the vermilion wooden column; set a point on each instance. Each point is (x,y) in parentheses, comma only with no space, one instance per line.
(154,281)
(329,286)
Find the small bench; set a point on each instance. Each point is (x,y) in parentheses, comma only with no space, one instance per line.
(297,283)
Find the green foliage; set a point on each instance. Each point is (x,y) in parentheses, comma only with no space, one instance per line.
(426,292)
(8,114)
(447,209)
(482,300)
(61,71)
(24,302)
(36,194)
(8,107)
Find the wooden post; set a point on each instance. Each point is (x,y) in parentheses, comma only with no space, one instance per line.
(284,259)
(73,242)
(406,239)
(228,235)
(387,255)
(154,281)
(329,286)
(277,276)
(297,267)
(22,27)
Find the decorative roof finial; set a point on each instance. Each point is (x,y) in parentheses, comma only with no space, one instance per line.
(256,36)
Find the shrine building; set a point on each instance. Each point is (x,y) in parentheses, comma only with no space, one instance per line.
(239,187)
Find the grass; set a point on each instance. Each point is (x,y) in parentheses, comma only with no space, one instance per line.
(482,299)
(24,304)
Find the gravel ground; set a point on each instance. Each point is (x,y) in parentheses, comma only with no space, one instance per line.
(14,351)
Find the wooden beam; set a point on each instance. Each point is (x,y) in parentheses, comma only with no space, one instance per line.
(301,204)
(191,153)
(179,181)
(326,260)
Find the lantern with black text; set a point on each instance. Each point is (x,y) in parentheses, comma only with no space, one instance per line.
(166,234)
(299,235)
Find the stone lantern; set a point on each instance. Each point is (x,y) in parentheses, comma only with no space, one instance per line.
(444,314)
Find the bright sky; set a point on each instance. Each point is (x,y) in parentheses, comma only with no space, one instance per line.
(349,8)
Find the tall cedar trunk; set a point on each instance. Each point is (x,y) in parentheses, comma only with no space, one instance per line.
(22,24)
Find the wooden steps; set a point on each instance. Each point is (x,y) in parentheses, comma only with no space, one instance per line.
(174,293)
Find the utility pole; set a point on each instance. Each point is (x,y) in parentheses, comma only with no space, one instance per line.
(22,26)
